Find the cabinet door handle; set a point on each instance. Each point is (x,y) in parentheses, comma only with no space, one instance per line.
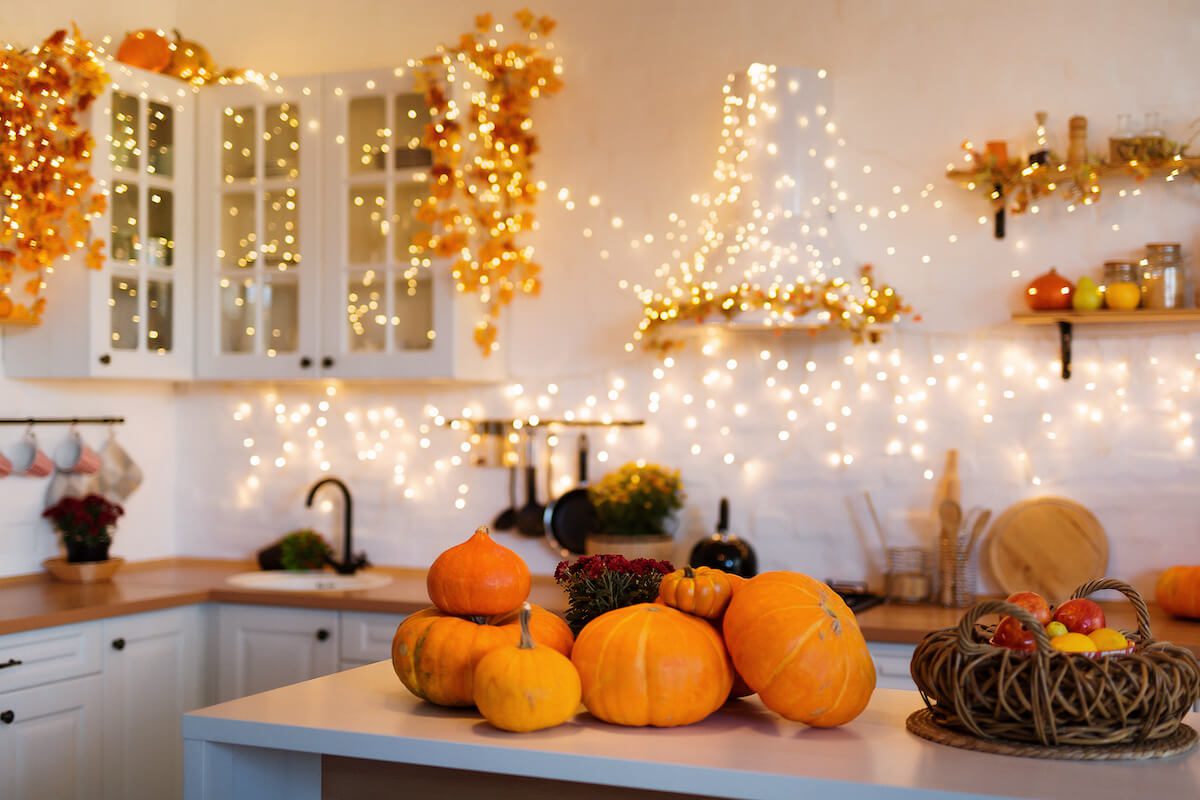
(106,359)
(322,634)
(118,644)
(7,717)
(305,362)
(327,362)
(12,662)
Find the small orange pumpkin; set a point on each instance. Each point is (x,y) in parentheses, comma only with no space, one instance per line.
(145,49)
(526,686)
(435,654)
(1178,592)
(648,664)
(478,578)
(702,591)
(798,646)
(191,61)
(1049,292)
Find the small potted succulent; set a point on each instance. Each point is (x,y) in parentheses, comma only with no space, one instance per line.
(85,525)
(635,506)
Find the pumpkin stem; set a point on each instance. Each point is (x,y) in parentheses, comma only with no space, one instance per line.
(526,638)
(482,530)
(688,572)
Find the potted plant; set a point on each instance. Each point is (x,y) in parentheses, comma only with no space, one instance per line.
(635,506)
(85,525)
(596,585)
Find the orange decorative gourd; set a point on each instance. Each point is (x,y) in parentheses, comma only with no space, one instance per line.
(1049,292)
(798,646)
(526,686)
(435,654)
(1178,591)
(702,591)
(145,49)
(478,578)
(649,664)
(190,61)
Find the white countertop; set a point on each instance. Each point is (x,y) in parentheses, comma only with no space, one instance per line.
(742,751)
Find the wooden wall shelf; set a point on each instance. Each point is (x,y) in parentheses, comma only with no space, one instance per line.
(1067,320)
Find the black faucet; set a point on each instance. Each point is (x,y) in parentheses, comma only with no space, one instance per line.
(351,563)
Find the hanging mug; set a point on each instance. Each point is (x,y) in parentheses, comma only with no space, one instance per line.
(6,466)
(28,459)
(75,457)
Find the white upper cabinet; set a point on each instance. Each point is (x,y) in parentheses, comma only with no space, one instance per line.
(133,318)
(258,217)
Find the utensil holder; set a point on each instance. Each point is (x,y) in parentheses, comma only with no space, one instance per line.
(907,576)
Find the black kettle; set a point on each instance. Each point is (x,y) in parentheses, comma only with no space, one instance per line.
(725,551)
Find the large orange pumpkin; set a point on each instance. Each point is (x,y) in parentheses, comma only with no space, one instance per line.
(702,591)
(145,49)
(435,654)
(648,664)
(478,578)
(798,646)
(1178,591)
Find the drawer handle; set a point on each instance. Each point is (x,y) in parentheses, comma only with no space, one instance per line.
(118,644)
(12,662)
(322,635)
(7,717)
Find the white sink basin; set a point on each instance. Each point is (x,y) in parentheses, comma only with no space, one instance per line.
(285,581)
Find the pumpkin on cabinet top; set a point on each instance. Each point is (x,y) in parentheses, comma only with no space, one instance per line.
(798,645)
(526,686)
(648,664)
(478,578)
(1049,292)
(435,654)
(146,49)
(191,61)
(701,591)
(1178,592)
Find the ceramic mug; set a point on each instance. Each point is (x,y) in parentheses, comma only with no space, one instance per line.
(6,466)
(28,459)
(74,457)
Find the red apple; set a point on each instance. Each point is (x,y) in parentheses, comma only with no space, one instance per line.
(1081,615)
(1012,634)
(1032,602)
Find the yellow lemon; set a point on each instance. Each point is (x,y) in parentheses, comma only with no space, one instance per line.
(1108,639)
(1073,643)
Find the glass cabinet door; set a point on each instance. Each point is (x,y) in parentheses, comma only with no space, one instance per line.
(146,123)
(379,171)
(258,221)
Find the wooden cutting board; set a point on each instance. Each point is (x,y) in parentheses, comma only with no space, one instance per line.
(1048,545)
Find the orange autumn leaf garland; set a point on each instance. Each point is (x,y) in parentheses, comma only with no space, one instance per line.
(46,197)
(482,189)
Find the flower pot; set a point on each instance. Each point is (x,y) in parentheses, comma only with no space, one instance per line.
(86,551)
(84,572)
(659,546)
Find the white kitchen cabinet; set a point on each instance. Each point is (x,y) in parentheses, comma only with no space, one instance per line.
(366,638)
(132,318)
(892,665)
(153,674)
(258,212)
(261,648)
(50,741)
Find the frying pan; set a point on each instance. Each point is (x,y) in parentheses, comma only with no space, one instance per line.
(506,520)
(571,517)
(529,517)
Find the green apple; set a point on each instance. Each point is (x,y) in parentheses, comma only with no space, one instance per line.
(1087,295)
(1056,628)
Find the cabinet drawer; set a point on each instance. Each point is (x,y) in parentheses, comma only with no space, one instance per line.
(892,665)
(50,654)
(367,638)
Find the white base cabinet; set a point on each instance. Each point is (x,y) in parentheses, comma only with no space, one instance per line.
(262,648)
(50,742)
(892,665)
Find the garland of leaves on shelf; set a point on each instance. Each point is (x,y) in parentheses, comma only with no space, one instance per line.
(45,156)
(482,189)
(878,305)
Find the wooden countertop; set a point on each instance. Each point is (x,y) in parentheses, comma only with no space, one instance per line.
(35,601)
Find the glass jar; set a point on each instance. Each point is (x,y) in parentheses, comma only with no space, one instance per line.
(1162,276)
(1121,291)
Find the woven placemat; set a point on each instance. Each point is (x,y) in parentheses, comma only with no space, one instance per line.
(923,724)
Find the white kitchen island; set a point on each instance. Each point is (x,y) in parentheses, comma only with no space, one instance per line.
(360,734)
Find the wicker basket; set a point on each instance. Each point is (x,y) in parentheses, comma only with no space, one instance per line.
(1053,698)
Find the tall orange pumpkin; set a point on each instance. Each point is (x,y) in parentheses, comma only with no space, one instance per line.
(146,49)
(435,654)
(1178,591)
(797,644)
(649,664)
(478,578)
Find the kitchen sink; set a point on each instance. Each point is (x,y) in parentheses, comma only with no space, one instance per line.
(288,581)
